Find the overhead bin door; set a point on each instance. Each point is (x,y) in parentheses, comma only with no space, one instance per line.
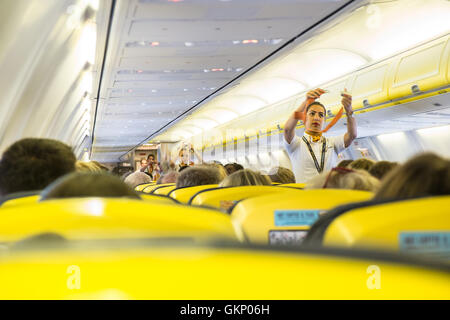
(420,70)
(370,86)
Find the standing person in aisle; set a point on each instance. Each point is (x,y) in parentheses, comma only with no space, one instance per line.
(313,153)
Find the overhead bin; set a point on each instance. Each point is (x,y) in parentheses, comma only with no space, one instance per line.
(285,219)
(411,226)
(422,69)
(369,86)
(93,218)
(220,272)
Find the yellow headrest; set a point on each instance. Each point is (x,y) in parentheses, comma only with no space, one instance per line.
(204,273)
(280,219)
(144,185)
(183,194)
(90,218)
(164,190)
(224,198)
(418,225)
(20,201)
(155,197)
(149,189)
(293,185)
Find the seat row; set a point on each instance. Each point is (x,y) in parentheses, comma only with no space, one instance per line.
(257,214)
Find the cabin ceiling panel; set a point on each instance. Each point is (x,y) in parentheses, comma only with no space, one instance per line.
(166,56)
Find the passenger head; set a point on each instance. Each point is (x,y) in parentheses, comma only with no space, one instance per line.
(233,167)
(169,177)
(315,117)
(424,175)
(143,162)
(101,166)
(197,176)
(281,175)
(246,177)
(344,163)
(137,178)
(381,168)
(151,158)
(344,178)
(81,184)
(220,168)
(87,166)
(32,164)
(362,164)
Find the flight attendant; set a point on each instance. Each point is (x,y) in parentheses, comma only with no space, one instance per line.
(314,153)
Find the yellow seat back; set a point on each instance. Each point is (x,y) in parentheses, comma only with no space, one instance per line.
(285,218)
(156,197)
(164,191)
(411,226)
(293,185)
(225,198)
(183,194)
(90,218)
(143,186)
(151,188)
(177,272)
(20,201)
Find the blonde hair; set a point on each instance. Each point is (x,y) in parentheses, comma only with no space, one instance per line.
(282,175)
(246,177)
(424,175)
(362,164)
(343,178)
(88,166)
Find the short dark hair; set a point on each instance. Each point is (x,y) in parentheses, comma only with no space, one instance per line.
(381,168)
(88,184)
(317,103)
(32,164)
(233,167)
(197,176)
(344,163)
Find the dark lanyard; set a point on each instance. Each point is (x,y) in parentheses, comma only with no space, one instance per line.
(322,160)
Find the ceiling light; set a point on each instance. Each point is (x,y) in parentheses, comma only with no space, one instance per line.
(217,69)
(154,43)
(249,41)
(188,44)
(236,41)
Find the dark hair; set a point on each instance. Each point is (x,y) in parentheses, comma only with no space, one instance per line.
(344,163)
(317,103)
(197,176)
(424,175)
(381,168)
(233,167)
(32,164)
(81,184)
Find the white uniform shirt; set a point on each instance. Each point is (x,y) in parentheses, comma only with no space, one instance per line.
(302,162)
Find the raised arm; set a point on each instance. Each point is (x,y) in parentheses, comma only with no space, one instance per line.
(351,122)
(291,123)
